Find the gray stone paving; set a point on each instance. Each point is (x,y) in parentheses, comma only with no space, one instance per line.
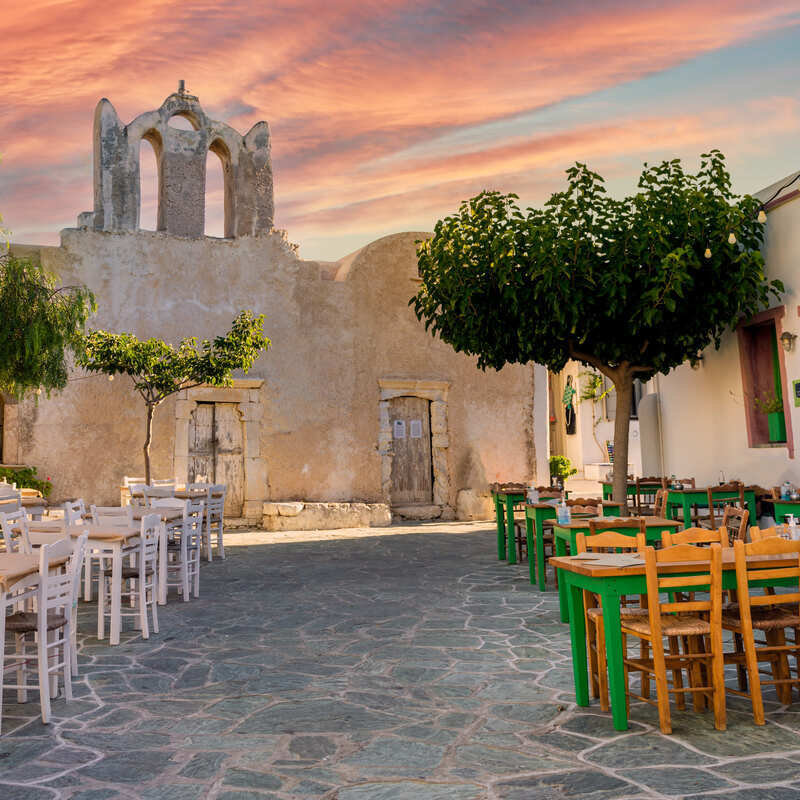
(399,664)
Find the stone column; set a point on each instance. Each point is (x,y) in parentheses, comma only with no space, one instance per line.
(255,469)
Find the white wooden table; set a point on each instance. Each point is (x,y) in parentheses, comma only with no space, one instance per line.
(106,542)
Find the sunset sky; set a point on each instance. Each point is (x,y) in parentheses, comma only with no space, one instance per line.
(385,114)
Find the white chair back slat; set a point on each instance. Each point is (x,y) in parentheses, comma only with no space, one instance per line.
(150,534)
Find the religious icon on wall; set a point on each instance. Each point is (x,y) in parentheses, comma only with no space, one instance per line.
(568,401)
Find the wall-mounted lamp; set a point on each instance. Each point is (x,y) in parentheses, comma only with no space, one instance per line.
(787,341)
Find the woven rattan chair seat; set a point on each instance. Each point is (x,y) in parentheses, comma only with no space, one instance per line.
(766,619)
(132,573)
(26,622)
(671,625)
(624,612)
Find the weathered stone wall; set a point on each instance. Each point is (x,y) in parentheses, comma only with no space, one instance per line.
(336,329)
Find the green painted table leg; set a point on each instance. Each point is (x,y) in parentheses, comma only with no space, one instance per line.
(577,635)
(563,604)
(529,541)
(687,512)
(501,528)
(751,505)
(541,566)
(616,671)
(511,544)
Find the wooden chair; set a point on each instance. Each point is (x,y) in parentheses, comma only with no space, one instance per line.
(696,622)
(215,510)
(50,626)
(141,579)
(735,520)
(770,613)
(717,504)
(759,534)
(646,493)
(595,630)
(14,528)
(183,552)
(695,536)
(660,503)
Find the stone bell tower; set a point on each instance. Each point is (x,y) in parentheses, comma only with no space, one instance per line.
(181,159)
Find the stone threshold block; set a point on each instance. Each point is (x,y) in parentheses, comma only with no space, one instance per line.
(300,516)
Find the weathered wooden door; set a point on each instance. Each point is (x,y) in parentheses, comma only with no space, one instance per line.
(216,451)
(412,469)
(229,462)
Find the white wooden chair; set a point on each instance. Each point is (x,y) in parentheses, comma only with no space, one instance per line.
(141,577)
(183,552)
(14,527)
(52,625)
(74,511)
(215,510)
(107,516)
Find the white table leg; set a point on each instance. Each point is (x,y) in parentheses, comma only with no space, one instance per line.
(162,566)
(116,593)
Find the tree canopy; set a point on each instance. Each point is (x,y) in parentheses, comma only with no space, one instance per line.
(158,369)
(632,286)
(40,323)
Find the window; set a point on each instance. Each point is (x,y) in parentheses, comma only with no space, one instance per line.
(763,380)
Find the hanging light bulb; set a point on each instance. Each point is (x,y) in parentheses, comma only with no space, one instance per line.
(707,253)
(762,217)
(111,377)
(732,239)
(39,390)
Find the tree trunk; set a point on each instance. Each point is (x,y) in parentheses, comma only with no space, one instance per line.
(147,439)
(623,385)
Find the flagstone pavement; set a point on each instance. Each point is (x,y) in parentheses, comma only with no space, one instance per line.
(393,664)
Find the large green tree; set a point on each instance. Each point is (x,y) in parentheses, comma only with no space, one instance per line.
(158,369)
(632,286)
(40,322)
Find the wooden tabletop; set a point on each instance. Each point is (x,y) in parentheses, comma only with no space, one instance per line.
(33,502)
(650,522)
(583,567)
(166,513)
(716,488)
(107,533)
(15,566)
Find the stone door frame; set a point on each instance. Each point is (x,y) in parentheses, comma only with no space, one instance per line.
(436,392)
(246,394)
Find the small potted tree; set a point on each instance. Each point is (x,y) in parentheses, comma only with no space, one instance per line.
(771,404)
(560,469)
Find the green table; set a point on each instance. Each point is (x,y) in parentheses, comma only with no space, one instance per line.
(784,507)
(686,498)
(608,490)
(504,502)
(535,516)
(612,583)
(566,536)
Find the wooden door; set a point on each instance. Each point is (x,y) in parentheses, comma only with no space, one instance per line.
(412,469)
(201,444)
(216,451)
(229,461)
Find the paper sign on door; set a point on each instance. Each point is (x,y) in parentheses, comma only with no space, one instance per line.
(399,429)
(416,428)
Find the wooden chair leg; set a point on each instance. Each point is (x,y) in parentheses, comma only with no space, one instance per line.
(741,669)
(644,677)
(784,689)
(696,672)
(662,688)
(753,678)
(677,674)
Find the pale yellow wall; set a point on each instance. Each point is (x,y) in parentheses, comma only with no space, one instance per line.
(335,330)
(703,414)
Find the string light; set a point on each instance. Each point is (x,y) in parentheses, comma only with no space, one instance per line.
(111,377)
(732,238)
(707,254)
(762,217)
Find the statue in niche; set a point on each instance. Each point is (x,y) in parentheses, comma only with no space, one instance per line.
(568,401)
